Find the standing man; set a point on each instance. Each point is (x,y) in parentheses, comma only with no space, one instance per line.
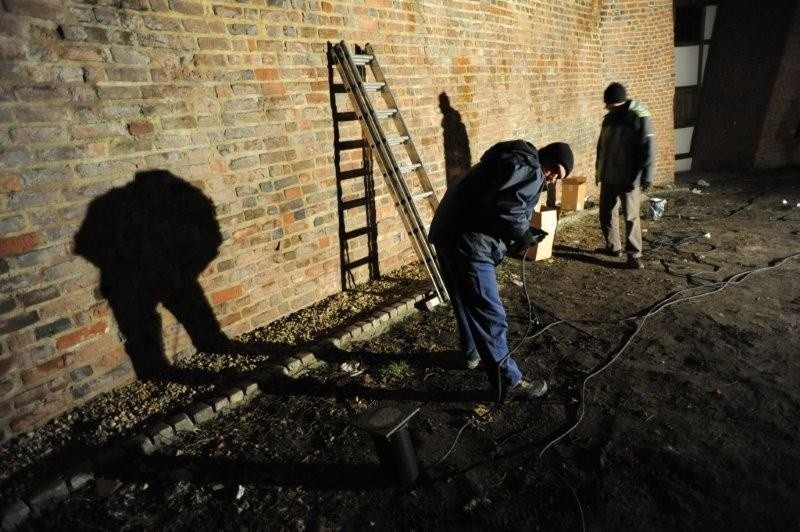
(624,165)
(483,215)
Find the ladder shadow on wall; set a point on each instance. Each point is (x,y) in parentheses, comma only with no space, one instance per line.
(355,188)
(151,239)
(457,156)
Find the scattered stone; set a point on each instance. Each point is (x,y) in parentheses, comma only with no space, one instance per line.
(161,433)
(181,422)
(140,444)
(250,388)
(14,514)
(306,358)
(292,364)
(235,396)
(218,403)
(47,493)
(80,475)
(106,486)
(335,341)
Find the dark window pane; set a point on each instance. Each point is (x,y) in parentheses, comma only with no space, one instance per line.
(688,24)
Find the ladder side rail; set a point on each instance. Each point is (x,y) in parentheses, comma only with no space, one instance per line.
(404,201)
(413,153)
(377,72)
(386,159)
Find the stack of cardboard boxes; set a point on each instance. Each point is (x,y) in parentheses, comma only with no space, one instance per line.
(573,196)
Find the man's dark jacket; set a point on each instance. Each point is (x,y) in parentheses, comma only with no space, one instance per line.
(625,147)
(490,207)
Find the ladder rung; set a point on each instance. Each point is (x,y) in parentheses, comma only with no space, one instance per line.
(350,204)
(357,263)
(352,174)
(422,196)
(346,116)
(355,233)
(409,168)
(352,144)
(394,141)
(350,116)
(373,86)
(361,59)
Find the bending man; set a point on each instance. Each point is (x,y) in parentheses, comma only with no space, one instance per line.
(481,217)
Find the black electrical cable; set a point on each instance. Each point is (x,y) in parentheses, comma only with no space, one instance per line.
(654,309)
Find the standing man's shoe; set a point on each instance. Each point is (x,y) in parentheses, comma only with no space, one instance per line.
(634,263)
(611,252)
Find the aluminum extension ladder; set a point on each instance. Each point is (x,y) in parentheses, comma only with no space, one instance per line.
(405,199)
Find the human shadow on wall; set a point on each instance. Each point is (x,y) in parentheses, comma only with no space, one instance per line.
(788,133)
(151,239)
(457,157)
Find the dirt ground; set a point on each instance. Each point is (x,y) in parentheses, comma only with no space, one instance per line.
(692,426)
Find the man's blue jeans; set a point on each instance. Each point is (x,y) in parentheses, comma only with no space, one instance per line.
(480,315)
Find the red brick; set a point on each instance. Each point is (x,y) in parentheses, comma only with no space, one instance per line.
(187,7)
(10,183)
(75,337)
(50,10)
(17,245)
(246,232)
(42,371)
(30,396)
(6,386)
(39,415)
(264,74)
(140,127)
(90,350)
(293,193)
(227,294)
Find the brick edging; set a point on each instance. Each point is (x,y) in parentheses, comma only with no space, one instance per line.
(198,413)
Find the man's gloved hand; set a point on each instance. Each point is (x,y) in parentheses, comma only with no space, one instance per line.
(532,236)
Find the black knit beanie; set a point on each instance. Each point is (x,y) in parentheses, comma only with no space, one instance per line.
(559,153)
(615,93)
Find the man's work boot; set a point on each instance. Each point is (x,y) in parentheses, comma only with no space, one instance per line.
(608,250)
(634,263)
(526,390)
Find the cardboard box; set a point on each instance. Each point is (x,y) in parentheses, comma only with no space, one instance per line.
(573,193)
(550,193)
(546,220)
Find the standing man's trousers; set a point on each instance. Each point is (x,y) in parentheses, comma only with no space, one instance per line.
(611,196)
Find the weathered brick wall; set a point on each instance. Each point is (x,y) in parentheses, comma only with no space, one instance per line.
(229,100)
(779,144)
(638,52)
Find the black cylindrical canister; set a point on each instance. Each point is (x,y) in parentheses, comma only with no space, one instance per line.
(397,456)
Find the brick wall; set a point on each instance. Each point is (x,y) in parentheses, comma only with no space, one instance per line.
(188,145)
(779,144)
